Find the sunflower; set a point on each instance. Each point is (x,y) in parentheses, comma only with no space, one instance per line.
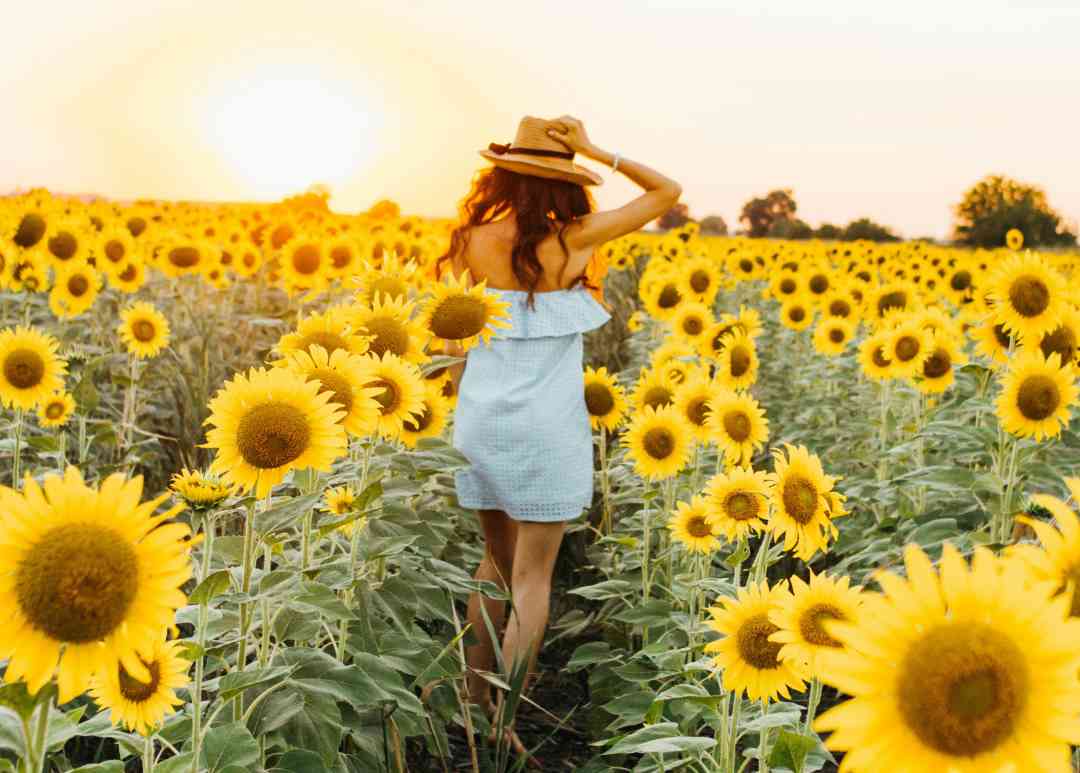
(89,577)
(890,298)
(636,321)
(55,410)
(463,314)
(786,284)
(663,298)
(198,489)
(839,303)
(432,418)
(140,705)
(388,324)
(144,330)
(993,341)
(331,330)
(654,389)
(691,321)
(179,256)
(802,617)
(796,314)
(803,501)
(737,502)
(304,262)
(129,277)
(1014,239)
(30,370)
(699,280)
(908,348)
(1029,296)
(340,500)
(343,376)
(832,335)
(750,660)
(1036,396)
(269,422)
(75,290)
(115,247)
(658,442)
(692,400)
(1058,560)
(1064,339)
(737,365)
(32,228)
(690,526)
(939,369)
(402,397)
(738,426)
(966,669)
(66,245)
(604,399)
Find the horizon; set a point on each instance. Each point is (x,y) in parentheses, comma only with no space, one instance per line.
(393,102)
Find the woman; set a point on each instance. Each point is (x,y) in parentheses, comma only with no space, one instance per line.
(528,229)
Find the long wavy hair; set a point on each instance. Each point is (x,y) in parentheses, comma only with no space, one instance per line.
(540,206)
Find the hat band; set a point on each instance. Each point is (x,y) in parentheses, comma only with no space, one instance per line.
(500,150)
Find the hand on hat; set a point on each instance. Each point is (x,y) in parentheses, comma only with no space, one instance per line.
(571,133)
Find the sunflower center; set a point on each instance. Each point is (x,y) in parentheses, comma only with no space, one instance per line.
(129,273)
(599,399)
(327,340)
(78,285)
(960,281)
(907,348)
(419,423)
(1063,341)
(340,256)
(63,246)
(746,265)
(659,443)
(1029,295)
(143,330)
(836,335)
(77,582)
(388,335)
(700,281)
(1038,397)
(800,499)
(31,230)
(962,688)
(839,308)
(811,628)
(797,314)
(1003,338)
(894,300)
(737,424)
(669,297)
(389,398)
(339,387)
(183,257)
(136,225)
(752,641)
(54,410)
(740,361)
(819,284)
(788,286)
(697,411)
(457,317)
(272,434)
(140,692)
(24,368)
(692,326)
(657,397)
(696,526)
(741,506)
(306,259)
(938,364)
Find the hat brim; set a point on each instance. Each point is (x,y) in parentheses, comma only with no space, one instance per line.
(537,167)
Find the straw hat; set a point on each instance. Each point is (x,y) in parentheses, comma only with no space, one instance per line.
(536,153)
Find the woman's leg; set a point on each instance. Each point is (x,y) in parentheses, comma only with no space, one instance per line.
(500,532)
(535,552)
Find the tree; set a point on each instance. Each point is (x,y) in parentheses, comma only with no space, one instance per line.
(714,225)
(384,209)
(865,228)
(996,204)
(759,214)
(829,231)
(790,228)
(676,217)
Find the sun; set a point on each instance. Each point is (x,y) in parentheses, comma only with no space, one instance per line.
(281,129)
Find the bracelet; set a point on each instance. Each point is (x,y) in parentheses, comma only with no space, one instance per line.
(614,162)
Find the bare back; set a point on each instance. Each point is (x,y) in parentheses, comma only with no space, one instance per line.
(487,256)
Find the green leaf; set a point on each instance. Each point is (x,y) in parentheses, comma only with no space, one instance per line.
(320,597)
(214,585)
(181,763)
(652,612)
(228,746)
(660,738)
(608,589)
(235,683)
(299,761)
(292,509)
(591,653)
(113,766)
(790,750)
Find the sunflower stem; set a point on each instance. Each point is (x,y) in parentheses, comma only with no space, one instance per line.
(761,560)
(37,747)
(733,739)
(248,560)
(61,448)
(200,634)
(605,485)
(763,745)
(645,548)
(18,449)
(148,755)
(812,704)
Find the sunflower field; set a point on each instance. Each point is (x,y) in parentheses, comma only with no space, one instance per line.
(831,528)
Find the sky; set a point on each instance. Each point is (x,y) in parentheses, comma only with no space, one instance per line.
(885,110)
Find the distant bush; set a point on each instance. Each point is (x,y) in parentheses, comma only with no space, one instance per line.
(792,228)
(996,204)
(676,217)
(865,228)
(759,214)
(714,225)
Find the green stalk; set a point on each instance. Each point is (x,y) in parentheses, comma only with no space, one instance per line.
(646,548)
(248,562)
(148,755)
(61,443)
(605,484)
(15,482)
(200,639)
(763,746)
(812,705)
(37,746)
